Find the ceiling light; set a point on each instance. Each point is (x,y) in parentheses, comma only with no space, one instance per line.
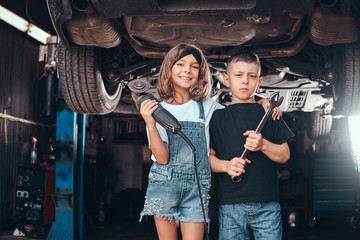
(23,25)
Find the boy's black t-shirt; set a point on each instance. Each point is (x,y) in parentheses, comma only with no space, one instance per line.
(259,183)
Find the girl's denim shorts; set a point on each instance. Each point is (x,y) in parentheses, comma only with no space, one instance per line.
(173,194)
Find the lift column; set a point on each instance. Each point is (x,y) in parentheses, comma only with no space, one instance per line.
(69,165)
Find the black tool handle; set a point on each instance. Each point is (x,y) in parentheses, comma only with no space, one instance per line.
(164,117)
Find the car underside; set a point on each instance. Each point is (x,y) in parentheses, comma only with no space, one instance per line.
(110,50)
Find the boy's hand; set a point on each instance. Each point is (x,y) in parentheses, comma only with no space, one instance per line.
(254,141)
(147,107)
(235,167)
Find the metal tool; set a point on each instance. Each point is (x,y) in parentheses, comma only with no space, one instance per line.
(275,101)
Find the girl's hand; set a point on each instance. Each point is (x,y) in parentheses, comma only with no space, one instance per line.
(254,141)
(276,114)
(236,166)
(147,107)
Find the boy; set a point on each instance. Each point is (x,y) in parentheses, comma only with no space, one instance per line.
(250,208)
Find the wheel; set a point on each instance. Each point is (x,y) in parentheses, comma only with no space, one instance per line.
(347,94)
(320,126)
(82,84)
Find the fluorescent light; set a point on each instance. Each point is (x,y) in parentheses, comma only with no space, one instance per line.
(23,25)
(13,19)
(37,33)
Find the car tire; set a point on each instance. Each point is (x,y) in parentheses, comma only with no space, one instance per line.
(81,81)
(347,90)
(320,126)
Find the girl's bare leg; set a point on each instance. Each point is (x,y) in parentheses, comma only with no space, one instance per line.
(192,231)
(166,230)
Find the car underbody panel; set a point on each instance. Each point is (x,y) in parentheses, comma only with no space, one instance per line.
(211,31)
(308,49)
(114,9)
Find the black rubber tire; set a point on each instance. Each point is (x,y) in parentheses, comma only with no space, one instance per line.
(347,83)
(81,82)
(320,126)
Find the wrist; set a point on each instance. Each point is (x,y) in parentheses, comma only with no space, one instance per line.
(151,127)
(226,166)
(264,145)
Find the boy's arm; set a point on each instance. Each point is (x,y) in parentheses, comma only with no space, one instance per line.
(235,167)
(278,153)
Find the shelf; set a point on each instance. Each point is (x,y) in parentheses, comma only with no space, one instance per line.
(293,195)
(129,130)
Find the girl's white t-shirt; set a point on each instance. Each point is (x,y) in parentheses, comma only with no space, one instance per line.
(189,111)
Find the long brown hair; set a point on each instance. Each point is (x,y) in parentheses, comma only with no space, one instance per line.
(198,92)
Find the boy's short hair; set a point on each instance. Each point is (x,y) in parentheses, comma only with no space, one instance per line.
(245,56)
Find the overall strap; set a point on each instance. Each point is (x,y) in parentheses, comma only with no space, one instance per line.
(202,114)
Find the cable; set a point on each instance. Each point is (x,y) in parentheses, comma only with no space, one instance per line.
(181,134)
(27,11)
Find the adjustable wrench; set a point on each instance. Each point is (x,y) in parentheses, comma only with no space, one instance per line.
(275,101)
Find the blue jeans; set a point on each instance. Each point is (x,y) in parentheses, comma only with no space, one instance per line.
(253,220)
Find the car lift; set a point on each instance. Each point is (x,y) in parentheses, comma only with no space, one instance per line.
(69,165)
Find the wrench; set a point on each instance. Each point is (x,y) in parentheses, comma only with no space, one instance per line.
(275,101)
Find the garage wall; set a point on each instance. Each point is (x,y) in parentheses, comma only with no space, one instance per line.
(126,142)
(20,97)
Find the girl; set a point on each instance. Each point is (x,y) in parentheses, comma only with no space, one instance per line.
(172,196)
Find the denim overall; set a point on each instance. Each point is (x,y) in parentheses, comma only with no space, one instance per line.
(172,192)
